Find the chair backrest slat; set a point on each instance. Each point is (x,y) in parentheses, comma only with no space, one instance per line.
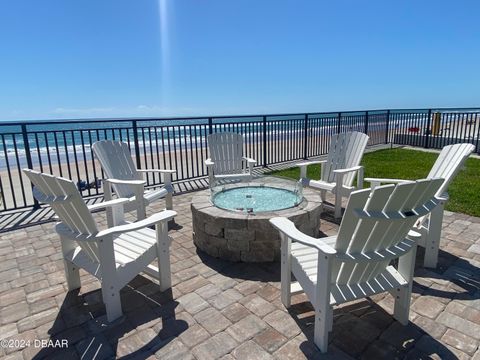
(389,234)
(346,150)
(117,163)
(226,151)
(65,200)
(348,228)
(449,163)
(378,233)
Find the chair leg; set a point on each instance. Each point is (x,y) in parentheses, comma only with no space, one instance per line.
(323,325)
(286,271)
(338,204)
(110,283)
(431,252)
(140,202)
(338,191)
(111,299)
(72,275)
(71,270)
(211,178)
(169,196)
(141,210)
(169,201)
(323,195)
(406,265)
(321,303)
(432,241)
(108,196)
(163,256)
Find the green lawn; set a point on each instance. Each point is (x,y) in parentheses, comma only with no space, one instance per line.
(464,191)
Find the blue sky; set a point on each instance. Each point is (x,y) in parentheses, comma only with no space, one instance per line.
(119,58)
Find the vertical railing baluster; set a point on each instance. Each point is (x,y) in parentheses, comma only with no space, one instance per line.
(427,131)
(9,173)
(19,169)
(210,125)
(387,124)
(264,141)
(135,143)
(28,154)
(477,124)
(365,130)
(37,144)
(305,137)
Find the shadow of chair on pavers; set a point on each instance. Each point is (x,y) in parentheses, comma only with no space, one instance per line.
(364,329)
(454,278)
(149,323)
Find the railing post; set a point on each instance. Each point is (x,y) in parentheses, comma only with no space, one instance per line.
(338,123)
(386,126)
(135,142)
(28,155)
(210,125)
(427,131)
(305,138)
(264,141)
(365,130)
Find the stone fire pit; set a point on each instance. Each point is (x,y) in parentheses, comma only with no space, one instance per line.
(247,236)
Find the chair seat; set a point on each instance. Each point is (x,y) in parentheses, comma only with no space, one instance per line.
(128,248)
(304,266)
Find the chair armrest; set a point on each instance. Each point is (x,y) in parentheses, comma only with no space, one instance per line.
(288,228)
(344,171)
(249,160)
(109,203)
(383,180)
(307,163)
(164,171)
(163,216)
(374,182)
(125,182)
(443,197)
(209,162)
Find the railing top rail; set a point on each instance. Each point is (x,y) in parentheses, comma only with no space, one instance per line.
(220,117)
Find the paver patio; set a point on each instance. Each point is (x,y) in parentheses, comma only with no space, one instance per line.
(218,309)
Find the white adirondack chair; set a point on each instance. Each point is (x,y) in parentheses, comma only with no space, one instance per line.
(115,255)
(226,158)
(339,169)
(355,263)
(448,164)
(126,180)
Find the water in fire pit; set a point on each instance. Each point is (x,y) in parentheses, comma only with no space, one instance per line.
(254,199)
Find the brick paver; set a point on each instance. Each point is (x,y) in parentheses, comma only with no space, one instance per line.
(217,309)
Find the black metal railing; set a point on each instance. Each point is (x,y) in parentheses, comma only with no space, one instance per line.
(64,147)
